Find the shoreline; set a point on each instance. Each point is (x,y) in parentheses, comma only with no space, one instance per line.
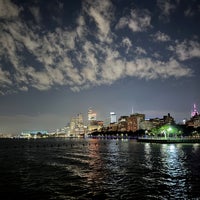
(169,140)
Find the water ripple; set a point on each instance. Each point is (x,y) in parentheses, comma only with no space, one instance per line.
(98,169)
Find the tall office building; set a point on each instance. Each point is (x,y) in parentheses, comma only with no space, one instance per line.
(91,115)
(76,125)
(113,117)
(93,124)
(79,120)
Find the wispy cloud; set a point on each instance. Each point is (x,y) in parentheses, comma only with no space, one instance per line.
(159,36)
(8,10)
(166,7)
(5,77)
(137,21)
(126,42)
(186,50)
(86,55)
(147,68)
(101,13)
(140,51)
(36,13)
(189,12)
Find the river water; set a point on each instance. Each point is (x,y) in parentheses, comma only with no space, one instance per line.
(98,169)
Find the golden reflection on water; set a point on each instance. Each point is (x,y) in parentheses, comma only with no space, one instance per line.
(95,174)
(105,160)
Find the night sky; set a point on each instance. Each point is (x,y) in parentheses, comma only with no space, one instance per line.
(58,58)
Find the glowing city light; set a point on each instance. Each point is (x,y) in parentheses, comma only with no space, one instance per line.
(194,111)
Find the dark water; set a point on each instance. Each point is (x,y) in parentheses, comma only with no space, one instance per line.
(98,169)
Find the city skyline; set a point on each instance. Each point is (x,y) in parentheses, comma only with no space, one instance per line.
(59,58)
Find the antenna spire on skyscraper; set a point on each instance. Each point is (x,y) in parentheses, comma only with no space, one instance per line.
(132,110)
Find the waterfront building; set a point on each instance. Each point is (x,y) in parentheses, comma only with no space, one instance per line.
(113,117)
(25,135)
(146,125)
(93,123)
(61,132)
(168,119)
(123,123)
(130,123)
(95,126)
(91,115)
(134,120)
(33,134)
(156,122)
(113,127)
(6,135)
(194,121)
(76,127)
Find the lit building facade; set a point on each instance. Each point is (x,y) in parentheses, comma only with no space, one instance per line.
(130,123)
(93,123)
(168,119)
(156,122)
(194,121)
(123,123)
(133,122)
(113,117)
(76,127)
(34,134)
(91,115)
(147,125)
(95,126)
(113,127)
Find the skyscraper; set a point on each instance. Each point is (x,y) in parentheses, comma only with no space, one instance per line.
(113,117)
(194,111)
(76,125)
(91,115)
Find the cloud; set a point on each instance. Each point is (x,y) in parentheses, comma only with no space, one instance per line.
(24,88)
(35,11)
(150,69)
(5,78)
(140,51)
(166,8)
(126,42)
(5,81)
(39,80)
(159,36)
(8,10)
(113,67)
(189,12)
(89,54)
(81,29)
(186,50)
(137,21)
(101,13)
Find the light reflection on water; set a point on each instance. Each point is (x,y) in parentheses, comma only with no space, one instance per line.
(174,170)
(99,169)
